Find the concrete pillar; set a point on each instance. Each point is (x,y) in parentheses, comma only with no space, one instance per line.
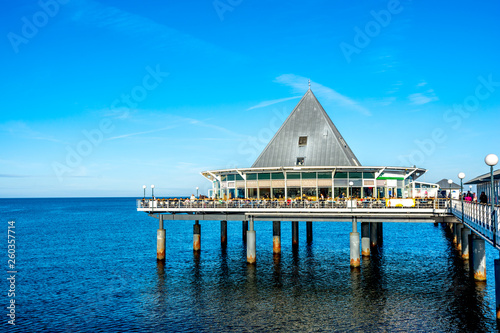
(244,225)
(373,234)
(497,287)
(309,227)
(251,246)
(223,233)
(380,233)
(465,243)
(454,232)
(196,236)
(365,239)
(471,256)
(295,233)
(354,244)
(459,227)
(479,259)
(160,241)
(276,237)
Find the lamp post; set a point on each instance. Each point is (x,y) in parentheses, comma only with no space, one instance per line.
(492,160)
(144,188)
(350,193)
(450,182)
(197,188)
(153,191)
(461,175)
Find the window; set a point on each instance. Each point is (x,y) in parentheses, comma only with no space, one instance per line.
(302,141)
(300,161)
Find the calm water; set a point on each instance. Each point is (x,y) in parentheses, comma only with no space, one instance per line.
(90,265)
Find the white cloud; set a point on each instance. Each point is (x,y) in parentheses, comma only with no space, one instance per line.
(299,84)
(274,101)
(423,98)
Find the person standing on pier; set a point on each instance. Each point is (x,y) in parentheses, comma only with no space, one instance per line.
(483,198)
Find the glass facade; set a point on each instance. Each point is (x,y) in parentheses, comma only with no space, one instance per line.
(310,185)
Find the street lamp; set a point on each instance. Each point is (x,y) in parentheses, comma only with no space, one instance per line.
(492,160)
(197,188)
(153,191)
(350,188)
(450,182)
(144,188)
(461,175)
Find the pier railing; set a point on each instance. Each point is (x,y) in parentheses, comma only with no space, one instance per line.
(477,217)
(281,204)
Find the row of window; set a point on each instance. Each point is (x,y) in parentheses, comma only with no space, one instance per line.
(299,175)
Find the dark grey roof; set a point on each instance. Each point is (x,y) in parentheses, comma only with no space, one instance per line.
(325,145)
(443,183)
(484,178)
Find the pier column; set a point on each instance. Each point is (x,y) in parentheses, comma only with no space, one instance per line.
(244,225)
(454,232)
(479,259)
(458,228)
(196,236)
(309,227)
(295,233)
(251,247)
(160,240)
(276,237)
(223,233)
(465,243)
(497,287)
(365,239)
(354,244)
(380,233)
(373,234)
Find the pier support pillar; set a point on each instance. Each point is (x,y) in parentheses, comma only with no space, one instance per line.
(373,234)
(160,241)
(276,237)
(244,225)
(309,227)
(354,244)
(479,259)
(497,287)
(295,233)
(465,243)
(458,229)
(223,233)
(380,233)
(454,232)
(365,239)
(251,244)
(196,236)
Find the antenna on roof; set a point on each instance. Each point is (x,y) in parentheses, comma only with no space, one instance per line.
(309,82)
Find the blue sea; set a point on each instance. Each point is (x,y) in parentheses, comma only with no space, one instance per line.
(89,265)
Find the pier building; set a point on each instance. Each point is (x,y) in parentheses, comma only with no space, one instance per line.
(483,183)
(309,158)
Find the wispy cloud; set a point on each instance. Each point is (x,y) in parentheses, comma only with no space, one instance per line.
(424,97)
(123,136)
(141,29)
(274,101)
(299,84)
(22,130)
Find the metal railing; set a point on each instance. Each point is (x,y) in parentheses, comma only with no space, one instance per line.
(190,204)
(477,216)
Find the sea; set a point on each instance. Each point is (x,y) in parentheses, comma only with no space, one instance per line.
(89,265)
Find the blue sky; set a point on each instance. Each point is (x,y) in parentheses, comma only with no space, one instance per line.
(101,97)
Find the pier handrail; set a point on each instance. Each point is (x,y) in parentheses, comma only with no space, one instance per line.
(436,204)
(477,216)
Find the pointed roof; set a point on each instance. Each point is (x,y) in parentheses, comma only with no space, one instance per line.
(443,184)
(323,145)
